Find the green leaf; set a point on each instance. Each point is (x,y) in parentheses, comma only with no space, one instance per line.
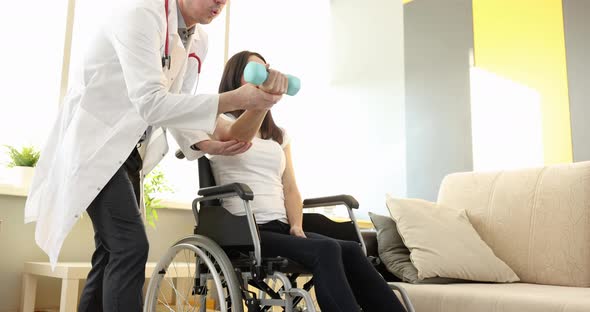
(155,184)
(26,157)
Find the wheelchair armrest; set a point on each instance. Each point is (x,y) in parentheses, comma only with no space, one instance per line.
(346,200)
(242,190)
(229,190)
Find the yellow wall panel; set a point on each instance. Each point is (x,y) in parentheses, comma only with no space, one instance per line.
(523,40)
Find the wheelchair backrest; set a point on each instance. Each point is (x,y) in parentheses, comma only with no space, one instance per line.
(206,179)
(215,222)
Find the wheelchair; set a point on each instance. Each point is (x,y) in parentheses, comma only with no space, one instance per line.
(220,267)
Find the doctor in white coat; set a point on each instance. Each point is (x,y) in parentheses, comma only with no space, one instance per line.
(128,89)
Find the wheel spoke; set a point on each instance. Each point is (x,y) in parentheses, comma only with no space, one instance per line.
(166,301)
(188,264)
(211,266)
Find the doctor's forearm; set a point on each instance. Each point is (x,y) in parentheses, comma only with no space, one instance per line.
(228,102)
(246,97)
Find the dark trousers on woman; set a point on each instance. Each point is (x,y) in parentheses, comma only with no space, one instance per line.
(343,277)
(116,279)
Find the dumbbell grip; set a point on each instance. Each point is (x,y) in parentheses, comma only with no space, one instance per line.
(255,73)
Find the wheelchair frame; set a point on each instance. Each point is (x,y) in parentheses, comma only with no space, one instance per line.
(260,270)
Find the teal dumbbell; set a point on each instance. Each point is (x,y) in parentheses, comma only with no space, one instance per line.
(255,73)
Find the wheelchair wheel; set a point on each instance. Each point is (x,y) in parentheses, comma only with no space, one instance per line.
(194,275)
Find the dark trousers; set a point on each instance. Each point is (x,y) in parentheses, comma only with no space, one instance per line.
(343,277)
(116,279)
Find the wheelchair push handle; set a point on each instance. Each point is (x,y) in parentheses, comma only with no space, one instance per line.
(179,154)
(255,73)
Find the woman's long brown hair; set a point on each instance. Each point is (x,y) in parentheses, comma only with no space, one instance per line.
(232,79)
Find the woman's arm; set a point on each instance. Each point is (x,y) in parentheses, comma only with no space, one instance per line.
(232,137)
(293,202)
(243,129)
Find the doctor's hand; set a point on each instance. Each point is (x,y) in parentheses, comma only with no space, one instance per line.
(228,148)
(254,98)
(297,231)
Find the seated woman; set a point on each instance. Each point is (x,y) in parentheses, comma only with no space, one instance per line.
(344,278)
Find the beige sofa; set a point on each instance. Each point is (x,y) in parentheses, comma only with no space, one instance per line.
(538,222)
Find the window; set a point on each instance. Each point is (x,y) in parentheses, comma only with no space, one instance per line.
(301,48)
(32,58)
(287,48)
(33,65)
(352,94)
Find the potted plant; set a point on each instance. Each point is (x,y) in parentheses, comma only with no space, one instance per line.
(154,184)
(22,162)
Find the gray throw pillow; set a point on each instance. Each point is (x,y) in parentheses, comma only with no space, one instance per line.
(394,254)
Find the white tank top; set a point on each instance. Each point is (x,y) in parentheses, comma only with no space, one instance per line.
(261,168)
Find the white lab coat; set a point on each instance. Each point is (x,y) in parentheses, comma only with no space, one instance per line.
(120,89)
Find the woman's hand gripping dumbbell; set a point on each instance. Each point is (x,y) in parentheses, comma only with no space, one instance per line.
(257,74)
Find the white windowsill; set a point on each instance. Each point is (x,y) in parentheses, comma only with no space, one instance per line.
(23,191)
(13,190)
(20,191)
(173,204)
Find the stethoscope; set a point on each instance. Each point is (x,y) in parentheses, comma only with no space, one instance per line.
(167,58)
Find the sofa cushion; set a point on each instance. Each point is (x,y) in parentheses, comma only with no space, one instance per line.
(443,243)
(370,239)
(395,255)
(536,220)
(516,297)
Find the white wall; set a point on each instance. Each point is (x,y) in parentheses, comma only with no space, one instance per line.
(365,103)
(438,36)
(577,47)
